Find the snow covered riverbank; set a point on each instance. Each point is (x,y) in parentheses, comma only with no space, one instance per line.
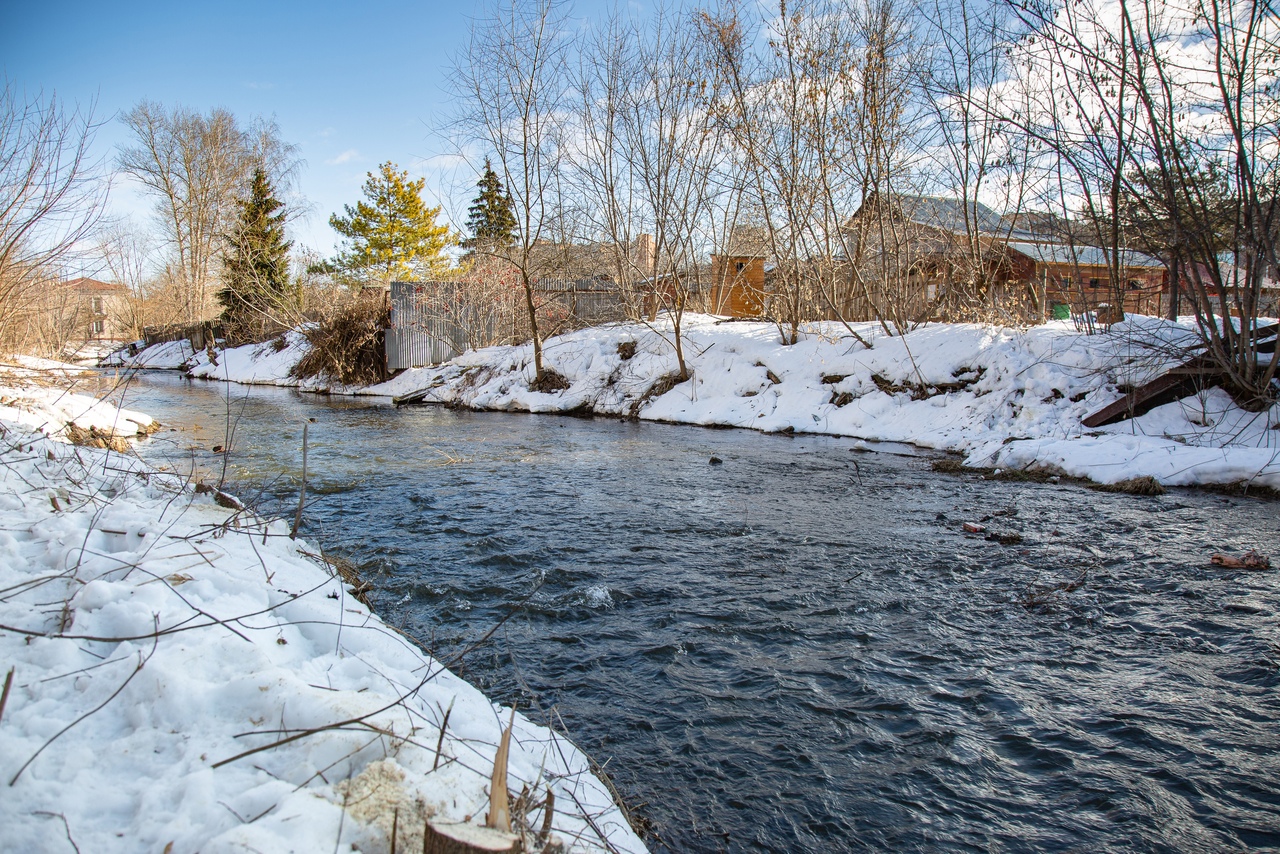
(1003,398)
(185,677)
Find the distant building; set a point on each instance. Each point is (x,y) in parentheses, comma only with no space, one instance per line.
(1036,262)
(1078,278)
(1234,280)
(96,311)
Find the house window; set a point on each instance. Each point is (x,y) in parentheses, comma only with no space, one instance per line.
(1066,281)
(1093,283)
(96,303)
(740,266)
(98,327)
(1134,285)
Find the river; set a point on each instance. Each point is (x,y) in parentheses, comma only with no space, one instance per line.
(795,646)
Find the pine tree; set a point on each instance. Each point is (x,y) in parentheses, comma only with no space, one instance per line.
(392,235)
(490,219)
(256,292)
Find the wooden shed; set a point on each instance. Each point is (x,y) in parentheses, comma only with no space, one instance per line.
(737,286)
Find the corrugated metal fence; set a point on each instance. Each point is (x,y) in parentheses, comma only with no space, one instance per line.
(423,331)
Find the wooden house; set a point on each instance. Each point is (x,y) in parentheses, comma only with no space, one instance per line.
(953,256)
(1075,279)
(738,285)
(1232,278)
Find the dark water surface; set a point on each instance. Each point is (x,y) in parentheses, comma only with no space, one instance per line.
(800,649)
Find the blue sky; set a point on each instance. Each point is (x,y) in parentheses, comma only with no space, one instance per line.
(352,85)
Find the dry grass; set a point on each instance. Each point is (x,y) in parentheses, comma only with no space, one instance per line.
(348,346)
(1049,474)
(951,465)
(1134,486)
(548,381)
(661,386)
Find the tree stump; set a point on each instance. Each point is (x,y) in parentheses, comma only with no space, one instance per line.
(442,838)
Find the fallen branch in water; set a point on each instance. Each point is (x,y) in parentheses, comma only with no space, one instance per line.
(1249,560)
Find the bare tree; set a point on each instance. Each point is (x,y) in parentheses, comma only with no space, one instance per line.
(824,118)
(1149,98)
(511,81)
(124,251)
(197,166)
(51,195)
(601,177)
(773,107)
(889,138)
(652,156)
(980,155)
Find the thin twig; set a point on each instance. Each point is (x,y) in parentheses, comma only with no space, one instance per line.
(142,662)
(302,492)
(439,741)
(8,683)
(514,610)
(65,826)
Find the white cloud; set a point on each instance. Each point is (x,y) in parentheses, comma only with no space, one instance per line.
(345,157)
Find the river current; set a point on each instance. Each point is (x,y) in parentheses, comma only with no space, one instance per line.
(790,644)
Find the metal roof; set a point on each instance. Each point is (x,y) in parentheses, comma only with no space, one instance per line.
(956,215)
(1086,256)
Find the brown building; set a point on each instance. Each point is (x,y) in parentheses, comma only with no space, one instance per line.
(738,285)
(1075,279)
(96,311)
(964,251)
(1234,280)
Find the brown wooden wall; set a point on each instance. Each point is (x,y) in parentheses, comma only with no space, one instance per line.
(737,287)
(1085,287)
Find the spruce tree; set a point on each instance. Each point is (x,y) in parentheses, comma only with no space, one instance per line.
(392,235)
(490,219)
(256,292)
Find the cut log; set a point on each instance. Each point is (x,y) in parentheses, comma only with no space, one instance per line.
(444,838)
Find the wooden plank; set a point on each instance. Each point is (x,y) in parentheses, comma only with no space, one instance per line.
(1165,388)
(1174,384)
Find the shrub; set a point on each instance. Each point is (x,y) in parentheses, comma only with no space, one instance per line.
(348,344)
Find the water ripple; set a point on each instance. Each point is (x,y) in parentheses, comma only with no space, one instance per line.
(784,653)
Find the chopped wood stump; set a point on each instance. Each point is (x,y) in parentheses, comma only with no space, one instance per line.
(441,838)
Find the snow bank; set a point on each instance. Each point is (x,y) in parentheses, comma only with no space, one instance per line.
(1001,397)
(268,363)
(167,356)
(35,394)
(187,678)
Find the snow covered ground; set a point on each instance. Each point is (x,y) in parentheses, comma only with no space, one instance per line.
(36,393)
(1003,398)
(185,677)
(165,356)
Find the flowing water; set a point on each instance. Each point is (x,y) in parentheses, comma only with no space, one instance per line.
(799,648)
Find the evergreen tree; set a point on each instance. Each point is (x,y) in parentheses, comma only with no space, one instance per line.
(490,219)
(256,291)
(392,235)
